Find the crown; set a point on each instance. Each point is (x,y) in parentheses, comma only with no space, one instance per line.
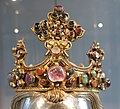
(56,71)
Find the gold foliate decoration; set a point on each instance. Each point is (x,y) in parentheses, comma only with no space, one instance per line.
(56,76)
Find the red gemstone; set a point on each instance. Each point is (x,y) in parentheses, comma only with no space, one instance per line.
(57,29)
(43,82)
(40,71)
(78,29)
(71,33)
(56,74)
(94,83)
(72,80)
(59,8)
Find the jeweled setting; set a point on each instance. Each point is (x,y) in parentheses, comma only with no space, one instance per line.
(58,33)
(56,74)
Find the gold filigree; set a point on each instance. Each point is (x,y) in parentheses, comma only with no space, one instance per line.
(56,77)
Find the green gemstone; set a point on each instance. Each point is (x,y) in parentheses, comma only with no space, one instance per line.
(94,73)
(85,79)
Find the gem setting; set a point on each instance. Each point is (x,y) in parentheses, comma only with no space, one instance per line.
(56,74)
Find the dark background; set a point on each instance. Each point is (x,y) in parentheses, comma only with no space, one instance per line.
(87,13)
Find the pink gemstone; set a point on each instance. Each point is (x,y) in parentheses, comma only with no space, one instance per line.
(78,29)
(56,74)
(59,8)
(72,80)
(55,50)
(71,33)
(57,29)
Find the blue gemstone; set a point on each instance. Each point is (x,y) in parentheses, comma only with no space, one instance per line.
(62,30)
(68,76)
(57,34)
(71,71)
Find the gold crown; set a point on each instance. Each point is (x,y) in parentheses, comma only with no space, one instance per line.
(56,71)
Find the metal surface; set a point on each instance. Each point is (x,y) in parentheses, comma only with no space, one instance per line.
(36,100)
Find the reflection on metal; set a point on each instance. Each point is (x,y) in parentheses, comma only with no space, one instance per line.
(21,99)
(25,103)
(83,104)
(36,100)
(93,99)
